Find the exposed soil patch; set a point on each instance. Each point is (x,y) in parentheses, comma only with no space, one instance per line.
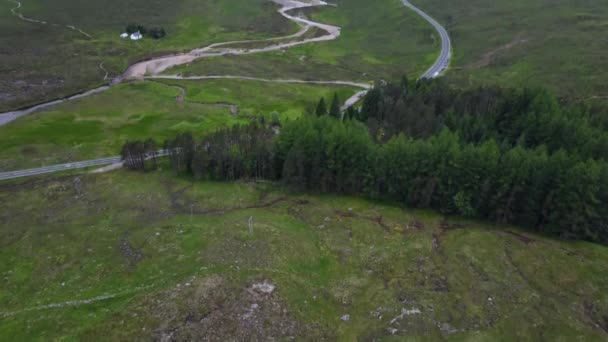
(445,226)
(131,254)
(182,204)
(592,313)
(239,254)
(213,311)
(512,263)
(182,94)
(436,246)
(416,225)
(379,220)
(525,239)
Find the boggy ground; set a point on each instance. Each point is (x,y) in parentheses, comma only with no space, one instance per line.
(127,256)
(97,126)
(46,59)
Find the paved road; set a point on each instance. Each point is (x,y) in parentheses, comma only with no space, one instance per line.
(440,65)
(443,61)
(69,166)
(60,167)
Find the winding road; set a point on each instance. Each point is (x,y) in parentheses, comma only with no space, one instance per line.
(443,61)
(60,167)
(151,69)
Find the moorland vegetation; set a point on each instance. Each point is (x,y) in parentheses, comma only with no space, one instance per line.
(511,156)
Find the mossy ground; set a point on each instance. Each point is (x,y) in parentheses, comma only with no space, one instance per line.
(98,126)
(54,61)
(161,256)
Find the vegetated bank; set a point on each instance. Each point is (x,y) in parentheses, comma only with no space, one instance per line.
(512,156)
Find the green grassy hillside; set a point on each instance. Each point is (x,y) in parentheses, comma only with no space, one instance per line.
(127,256)
(54,60)
(97,126)
(379,40)
(558,44)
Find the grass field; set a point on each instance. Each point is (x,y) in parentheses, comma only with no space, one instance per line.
(98,125)
(127,256)
(54,61)
(379,40)
(558,44)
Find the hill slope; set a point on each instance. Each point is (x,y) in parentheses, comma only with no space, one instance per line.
(124,255)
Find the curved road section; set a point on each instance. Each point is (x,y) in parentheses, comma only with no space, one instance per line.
(440,65)
(443,61)
(60,167)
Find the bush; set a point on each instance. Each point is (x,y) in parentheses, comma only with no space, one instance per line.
(132,28)
(157,32)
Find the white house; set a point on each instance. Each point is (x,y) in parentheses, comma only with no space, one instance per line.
(124,35)
(136,36)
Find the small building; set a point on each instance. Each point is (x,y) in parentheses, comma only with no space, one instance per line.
(136,36)
(124,35)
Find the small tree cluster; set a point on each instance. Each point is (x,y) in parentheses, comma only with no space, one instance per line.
(154,32)
(334,108)
(228,154)
(140,156)
(157,32)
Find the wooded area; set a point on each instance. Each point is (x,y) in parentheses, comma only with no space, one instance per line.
(510,156)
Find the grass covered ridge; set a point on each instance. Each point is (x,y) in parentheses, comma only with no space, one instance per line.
(121,255)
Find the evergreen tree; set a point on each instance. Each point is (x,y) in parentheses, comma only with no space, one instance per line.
(321,108)
(334,109)
(351,113)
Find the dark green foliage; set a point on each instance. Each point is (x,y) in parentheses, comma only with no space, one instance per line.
(157,32)
(550,193)
(228,154)
(334,109)
(154,32)
(321,108)
(526,117)
(323,153)
(139,156)
(508,156)
(351,113)
(132,28)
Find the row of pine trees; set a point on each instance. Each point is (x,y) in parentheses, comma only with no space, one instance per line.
(509,156)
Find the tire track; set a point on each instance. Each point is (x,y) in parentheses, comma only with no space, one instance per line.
(18,14)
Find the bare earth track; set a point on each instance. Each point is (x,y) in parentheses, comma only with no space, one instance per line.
(18,14)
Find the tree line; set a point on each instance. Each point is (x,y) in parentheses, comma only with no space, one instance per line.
(444,154)
(524,117)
